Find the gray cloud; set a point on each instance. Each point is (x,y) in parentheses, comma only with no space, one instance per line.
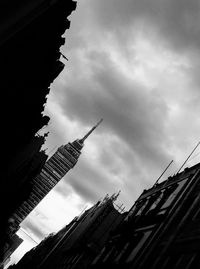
(33,228)
(129,110)
(89,182)
(63,189)
(177,22)
(93,86)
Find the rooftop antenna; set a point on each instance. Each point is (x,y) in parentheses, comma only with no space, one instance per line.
(194,156)
(188,157)
(91,130)
(163,172)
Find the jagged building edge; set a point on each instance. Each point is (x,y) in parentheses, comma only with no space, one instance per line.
(30,39)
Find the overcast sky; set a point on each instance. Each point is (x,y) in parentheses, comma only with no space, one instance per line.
(136,64)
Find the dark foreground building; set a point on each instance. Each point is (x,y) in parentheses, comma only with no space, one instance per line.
(161,230)
(78,243)
(11,246)
(30,40)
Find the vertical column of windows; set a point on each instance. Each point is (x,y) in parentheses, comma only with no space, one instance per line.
(40,190)
(16,216)
(34,199)
(53,162)
(46,183)
(69,156)
(22,211)
(20,215)
(65,159)
(56,166)
(25,210)
(47,176)
(51,166)
(41,186)
(27,205)
(39,193)
(18,219)
(60,162)
(52,171)
(63,163)
(52,182)
(29,201)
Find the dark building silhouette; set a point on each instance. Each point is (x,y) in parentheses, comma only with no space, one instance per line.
(11,246)
(51,173)
(76,245)
(30,40)
(161,230)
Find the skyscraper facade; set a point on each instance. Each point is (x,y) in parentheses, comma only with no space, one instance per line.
(52,172)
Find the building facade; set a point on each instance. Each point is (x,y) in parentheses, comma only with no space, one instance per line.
(161,230)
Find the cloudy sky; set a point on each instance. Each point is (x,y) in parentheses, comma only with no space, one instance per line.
(136,64)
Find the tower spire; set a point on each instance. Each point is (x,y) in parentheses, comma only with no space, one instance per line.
(90,131)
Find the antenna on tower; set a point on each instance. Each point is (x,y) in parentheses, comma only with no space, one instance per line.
(115,196)
(163,172)
(91,130)
(188,157)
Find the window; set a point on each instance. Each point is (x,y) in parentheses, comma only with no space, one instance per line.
(196,215)
(171,192)
(141,206)
(156,202)
(140,243)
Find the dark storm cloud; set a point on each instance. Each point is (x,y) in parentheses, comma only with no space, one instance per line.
(176,21)
(95,86)
(89,181)
(129,110)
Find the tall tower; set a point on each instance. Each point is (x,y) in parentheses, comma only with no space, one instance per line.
(52,172)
